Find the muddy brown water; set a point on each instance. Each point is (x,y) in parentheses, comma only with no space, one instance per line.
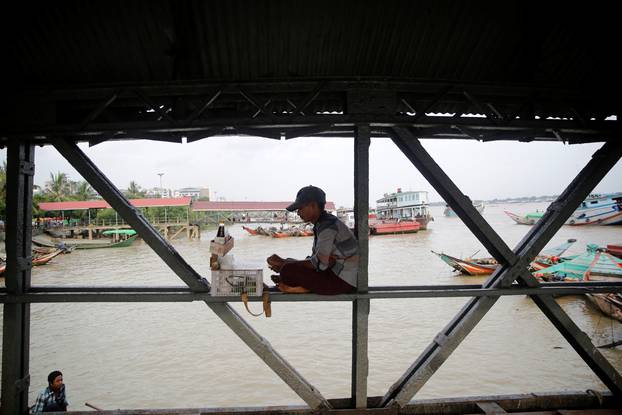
(162,355)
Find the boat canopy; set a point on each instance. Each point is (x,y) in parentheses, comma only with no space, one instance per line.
(128,232)
(593,262)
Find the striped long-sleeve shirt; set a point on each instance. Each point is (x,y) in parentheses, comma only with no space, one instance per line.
(334,241)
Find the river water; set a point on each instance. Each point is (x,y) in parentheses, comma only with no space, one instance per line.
(161,355)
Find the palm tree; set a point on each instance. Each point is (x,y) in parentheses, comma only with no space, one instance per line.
(134,191)
(57,188)
(84,191)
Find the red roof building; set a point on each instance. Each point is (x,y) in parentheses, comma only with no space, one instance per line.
(204,206)
(102,204)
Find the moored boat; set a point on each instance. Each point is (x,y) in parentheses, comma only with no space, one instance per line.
(609,303)
(44,259)
(36,260)
(528,219)
(487,265)
(410,205)
(249,230)
(594,264)
(598,210)
(615,249)
(393,226)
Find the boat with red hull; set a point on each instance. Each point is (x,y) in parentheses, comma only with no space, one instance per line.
(615,250)
(393,226)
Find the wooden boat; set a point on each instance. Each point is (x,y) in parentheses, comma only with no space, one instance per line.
(610,304)
(393,226)
(615,250)
(249,230)
(37,260)
(598,210)
(48,250)
(281,235)
(486,266)
(108,244)
(44,259)
(449,212)
(292,232)
(467,267)
(595,263)
(528,219)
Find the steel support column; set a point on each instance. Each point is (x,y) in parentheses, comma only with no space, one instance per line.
(16,318)
(514,265)
(171,257)
(360,307)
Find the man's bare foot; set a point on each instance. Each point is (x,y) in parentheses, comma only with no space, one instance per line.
(292,290)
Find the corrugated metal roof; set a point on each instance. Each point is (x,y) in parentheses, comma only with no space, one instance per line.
(102,204)
(245,206)
(74,42)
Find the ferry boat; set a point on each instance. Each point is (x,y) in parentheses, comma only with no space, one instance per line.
(404,207)
(598,210)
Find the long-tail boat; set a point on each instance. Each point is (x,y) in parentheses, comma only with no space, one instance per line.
(36,260)
(528,219)
(44,259)
(250,230)
(486,266)
(609,303)
(595,264)
(615,249)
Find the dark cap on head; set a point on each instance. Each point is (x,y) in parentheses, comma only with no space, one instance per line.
(53,375)
(308,194)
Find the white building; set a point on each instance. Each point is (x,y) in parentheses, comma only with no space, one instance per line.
(159,192)
(193,192)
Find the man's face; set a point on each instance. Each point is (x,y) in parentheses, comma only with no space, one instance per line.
(58,382)
(309,212)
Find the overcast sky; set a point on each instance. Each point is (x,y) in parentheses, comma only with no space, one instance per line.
(244,168)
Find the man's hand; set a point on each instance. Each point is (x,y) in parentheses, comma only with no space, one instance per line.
(275,262)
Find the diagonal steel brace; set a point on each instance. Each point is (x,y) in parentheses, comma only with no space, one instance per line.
(514,265)
(173,259)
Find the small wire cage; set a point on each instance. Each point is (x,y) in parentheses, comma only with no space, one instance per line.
(236,282)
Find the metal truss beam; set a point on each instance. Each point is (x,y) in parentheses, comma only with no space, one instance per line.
(131,111)
(16,316)
(197,284)
(514,265)
(545,403)
(360,306)
(46,294)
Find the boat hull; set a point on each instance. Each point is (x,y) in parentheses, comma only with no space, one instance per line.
(394,227)
(609,304)
(615,250)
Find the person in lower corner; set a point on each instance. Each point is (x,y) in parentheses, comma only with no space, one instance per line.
(333,265)
(52,398)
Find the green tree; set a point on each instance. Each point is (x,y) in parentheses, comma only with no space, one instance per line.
(84,191)
(134,191)
(57,188)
